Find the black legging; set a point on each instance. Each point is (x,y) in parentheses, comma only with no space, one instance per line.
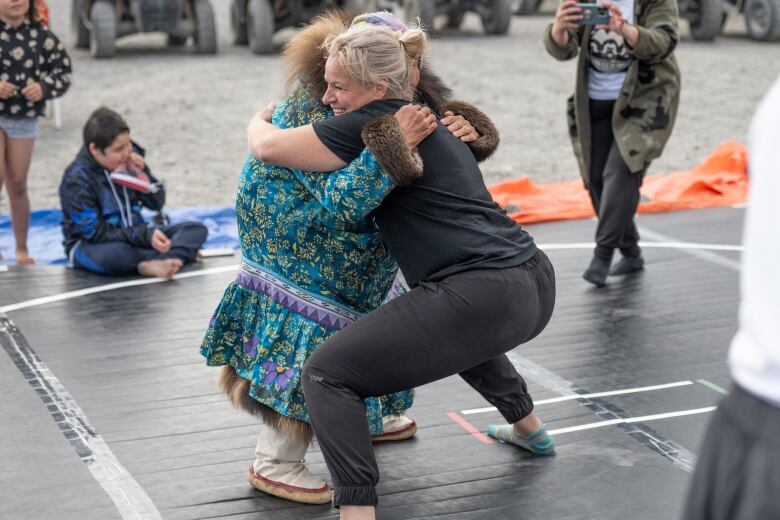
(613,188)
(463,325)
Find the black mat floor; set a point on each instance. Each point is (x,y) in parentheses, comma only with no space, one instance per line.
(109,411)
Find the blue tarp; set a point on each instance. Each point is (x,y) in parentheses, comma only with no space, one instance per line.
(45,237)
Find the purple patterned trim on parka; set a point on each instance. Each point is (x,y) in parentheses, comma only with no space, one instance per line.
(284,292)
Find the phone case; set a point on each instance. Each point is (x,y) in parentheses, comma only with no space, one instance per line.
(594,14)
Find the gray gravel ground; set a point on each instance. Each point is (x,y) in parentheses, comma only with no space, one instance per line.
(190,111)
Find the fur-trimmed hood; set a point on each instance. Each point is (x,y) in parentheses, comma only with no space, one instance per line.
(304,57)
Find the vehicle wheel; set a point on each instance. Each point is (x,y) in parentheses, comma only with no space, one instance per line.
(425,10)
(102,37)
(238,22)
(176,40)
(205,28)
(496,15)
(762,18)
(455,18)
(709,21)
(525,7)
(260,26)
(77,24)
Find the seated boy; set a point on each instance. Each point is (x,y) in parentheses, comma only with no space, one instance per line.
(102,225)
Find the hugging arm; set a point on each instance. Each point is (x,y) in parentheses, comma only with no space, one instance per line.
(351,192)
(298,148)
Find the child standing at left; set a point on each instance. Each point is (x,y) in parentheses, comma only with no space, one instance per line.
(34,67)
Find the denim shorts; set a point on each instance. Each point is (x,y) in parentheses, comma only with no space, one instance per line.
(19,127)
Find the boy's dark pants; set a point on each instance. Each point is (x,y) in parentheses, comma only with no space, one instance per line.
(120,258)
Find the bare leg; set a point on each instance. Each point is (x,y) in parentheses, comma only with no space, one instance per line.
(357,513)
(160,268)
(529,433)
(528,424)
(18,153)
(2,165)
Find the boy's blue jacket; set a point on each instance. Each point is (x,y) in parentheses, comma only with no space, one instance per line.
(91,209)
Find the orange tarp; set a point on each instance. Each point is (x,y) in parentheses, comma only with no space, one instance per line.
(720,180)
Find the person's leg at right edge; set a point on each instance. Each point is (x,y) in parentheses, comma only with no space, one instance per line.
(435,330)
(737,475)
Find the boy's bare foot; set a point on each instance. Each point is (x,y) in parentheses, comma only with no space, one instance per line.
(160,268)
(24,258)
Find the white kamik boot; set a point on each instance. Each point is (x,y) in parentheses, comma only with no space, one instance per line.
(396,428)
(279,469)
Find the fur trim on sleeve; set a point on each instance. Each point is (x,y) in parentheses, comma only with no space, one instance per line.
(384,139)
(487,142)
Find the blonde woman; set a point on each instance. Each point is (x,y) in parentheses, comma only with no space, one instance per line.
(480,286)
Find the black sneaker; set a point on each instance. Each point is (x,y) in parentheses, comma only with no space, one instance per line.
(627,265)
(597,271)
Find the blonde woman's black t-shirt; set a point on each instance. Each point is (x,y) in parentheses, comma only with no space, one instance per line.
(446,221)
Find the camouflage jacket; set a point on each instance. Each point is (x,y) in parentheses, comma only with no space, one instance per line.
(645,111)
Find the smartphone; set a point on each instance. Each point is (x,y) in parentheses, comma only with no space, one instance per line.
(593,14)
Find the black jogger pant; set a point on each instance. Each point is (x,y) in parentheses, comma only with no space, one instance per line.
(463,325)
(613,188)
(121,258)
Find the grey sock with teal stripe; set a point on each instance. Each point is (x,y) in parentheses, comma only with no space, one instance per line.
(539,442)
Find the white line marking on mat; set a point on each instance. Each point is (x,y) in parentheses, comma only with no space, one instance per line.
(628,420)
(587,396)
(701,251)
(643,434)
(701,254)
(130,499)
(111,287)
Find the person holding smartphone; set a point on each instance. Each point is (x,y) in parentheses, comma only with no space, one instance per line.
(621,114)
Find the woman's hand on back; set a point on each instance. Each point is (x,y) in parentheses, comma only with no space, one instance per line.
(416,122)
(459,126)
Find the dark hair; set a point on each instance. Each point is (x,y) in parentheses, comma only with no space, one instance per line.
(34,14)
(102,127)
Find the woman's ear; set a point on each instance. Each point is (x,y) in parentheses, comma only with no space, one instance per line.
(415,76)
(381,87)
